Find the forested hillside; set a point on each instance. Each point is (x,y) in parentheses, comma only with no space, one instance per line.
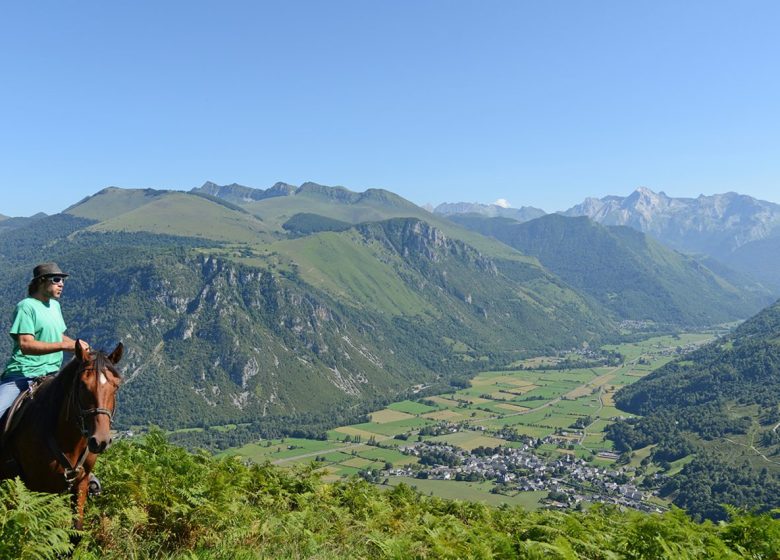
(160,501)
(625,270)
(722,403)
(294,335)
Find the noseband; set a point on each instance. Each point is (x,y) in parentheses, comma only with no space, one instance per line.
(84,414)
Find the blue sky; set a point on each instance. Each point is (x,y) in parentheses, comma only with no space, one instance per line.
(540,103)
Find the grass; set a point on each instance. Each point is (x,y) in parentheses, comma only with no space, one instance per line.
(468,440)
(639,455)
(411,407)
(678,465)
(386,416)
(280,449)
(113,202)
(448,415)
(390,455)
(194,216)
(353,431)
(393,428)
(471,491)
(364,274)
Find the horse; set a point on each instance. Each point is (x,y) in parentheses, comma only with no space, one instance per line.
(54,440)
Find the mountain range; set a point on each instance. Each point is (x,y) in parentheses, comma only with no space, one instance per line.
(716,225)
(522,214)
(734,229)
(228,317)
(282,306)
(625,271)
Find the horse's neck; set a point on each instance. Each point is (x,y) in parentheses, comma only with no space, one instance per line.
(62,421)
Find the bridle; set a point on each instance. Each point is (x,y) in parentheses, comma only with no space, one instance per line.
(71,472)
(85,413)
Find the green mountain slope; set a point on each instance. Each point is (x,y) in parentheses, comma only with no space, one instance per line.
(624,270)
(7,223)
(113,201)
(285,334)
(722,403)
(743,366)
(283,204)
(335,202)
(760,258)
(408,267)
(169,213)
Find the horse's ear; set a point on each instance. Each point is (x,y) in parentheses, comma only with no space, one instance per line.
(80,351)
(116,355)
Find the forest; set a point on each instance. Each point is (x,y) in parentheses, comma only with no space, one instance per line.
(726,390)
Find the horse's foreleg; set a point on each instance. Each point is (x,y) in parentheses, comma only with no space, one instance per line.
(78,501)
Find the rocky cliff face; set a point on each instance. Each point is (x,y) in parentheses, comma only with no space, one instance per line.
(210,340)
(213,339)
(714,225)
(239,194)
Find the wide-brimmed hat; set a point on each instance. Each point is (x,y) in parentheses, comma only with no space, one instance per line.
(47,269)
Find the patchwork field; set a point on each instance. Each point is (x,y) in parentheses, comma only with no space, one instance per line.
(574,405)
(468,440)
(472,491)
(389,415)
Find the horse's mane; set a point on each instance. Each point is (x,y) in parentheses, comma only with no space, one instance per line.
(53,393)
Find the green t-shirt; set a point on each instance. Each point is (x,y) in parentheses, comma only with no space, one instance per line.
(44,321)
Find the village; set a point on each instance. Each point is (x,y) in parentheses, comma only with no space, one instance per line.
(571,482)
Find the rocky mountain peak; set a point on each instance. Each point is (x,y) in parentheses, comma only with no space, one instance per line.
(714,225)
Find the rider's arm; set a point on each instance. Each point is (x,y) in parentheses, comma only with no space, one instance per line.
(70,344)
(29,346)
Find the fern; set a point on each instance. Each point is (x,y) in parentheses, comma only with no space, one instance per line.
(33,525)
(163,502)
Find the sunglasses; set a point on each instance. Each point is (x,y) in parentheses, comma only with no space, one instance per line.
(57,279)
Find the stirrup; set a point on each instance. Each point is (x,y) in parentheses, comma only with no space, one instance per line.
(94,485)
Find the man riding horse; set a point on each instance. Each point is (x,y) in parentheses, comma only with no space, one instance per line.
(38,332)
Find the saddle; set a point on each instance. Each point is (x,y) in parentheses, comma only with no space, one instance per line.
(13,417)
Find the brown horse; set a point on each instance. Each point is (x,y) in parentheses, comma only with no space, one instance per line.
(64,426)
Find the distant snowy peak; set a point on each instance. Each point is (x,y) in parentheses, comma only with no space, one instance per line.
(522,214)
(711,224)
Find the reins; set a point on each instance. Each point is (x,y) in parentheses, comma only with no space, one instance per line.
(72,473)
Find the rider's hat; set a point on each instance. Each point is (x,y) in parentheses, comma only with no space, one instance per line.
(47,269)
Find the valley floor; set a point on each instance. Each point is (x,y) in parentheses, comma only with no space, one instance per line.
(531,436)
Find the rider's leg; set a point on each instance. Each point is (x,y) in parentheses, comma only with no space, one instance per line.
(9,389)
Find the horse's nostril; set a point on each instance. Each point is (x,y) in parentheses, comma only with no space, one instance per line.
(96,446)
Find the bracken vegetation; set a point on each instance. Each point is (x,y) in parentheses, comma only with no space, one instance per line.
(162,502)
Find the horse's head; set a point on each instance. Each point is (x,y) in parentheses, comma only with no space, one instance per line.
(94,395)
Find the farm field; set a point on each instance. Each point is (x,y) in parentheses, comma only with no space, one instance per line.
(472,491)
(574,405)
